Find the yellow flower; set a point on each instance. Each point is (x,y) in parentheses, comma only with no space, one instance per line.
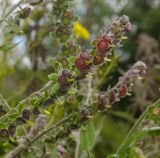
(81,31)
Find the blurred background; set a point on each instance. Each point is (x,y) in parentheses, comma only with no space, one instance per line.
(25,69)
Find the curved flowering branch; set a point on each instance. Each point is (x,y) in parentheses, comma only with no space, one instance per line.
(81,66)
(124,85)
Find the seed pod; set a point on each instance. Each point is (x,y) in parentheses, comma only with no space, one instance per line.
(128,27)
(83,62)
(20,121)
(122,90)
(35,111)
(26,114)
(64,77)
(2,112)
(12,129)
(98,60)
(112,97)
(48,102)
(102,102)
(4,133)
(103,44)
(85,114)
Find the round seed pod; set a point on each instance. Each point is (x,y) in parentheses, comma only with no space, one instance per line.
(103,44)
(35,111)
(26,114)
(84,62)
(20,121)
(4,133)
(12,129)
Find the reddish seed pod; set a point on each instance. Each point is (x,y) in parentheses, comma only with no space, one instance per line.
(103,44)
(26,114)
(122,90)
(85,114)
(98,60)
(4,133)
(112,97)
(63,78)
(67,73)
(83,62)
(102,102)
(12,129)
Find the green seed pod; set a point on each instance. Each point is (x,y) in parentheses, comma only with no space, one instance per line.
(4,133)
(20,121)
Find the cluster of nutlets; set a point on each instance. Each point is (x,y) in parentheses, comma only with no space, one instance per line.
(62,13)
(10,131)
(124,85)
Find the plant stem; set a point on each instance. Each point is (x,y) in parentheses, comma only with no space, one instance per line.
(133,129)
(89,154)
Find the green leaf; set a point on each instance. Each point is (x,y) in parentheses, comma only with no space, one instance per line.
(55,88)
(7,46)
(87,137)
(72,91)
(94,42)
(53,76)
(139,135)
(71,59)
(54,152)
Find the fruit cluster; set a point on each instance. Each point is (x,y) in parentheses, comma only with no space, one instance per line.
(123,86)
